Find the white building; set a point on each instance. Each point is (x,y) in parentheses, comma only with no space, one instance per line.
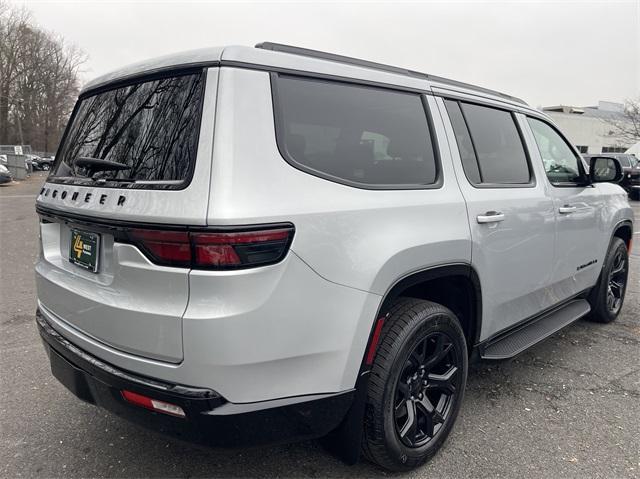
(589,127)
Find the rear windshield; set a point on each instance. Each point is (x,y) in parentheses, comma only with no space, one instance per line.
(151,128)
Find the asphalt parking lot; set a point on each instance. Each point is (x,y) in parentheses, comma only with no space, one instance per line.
(569,407)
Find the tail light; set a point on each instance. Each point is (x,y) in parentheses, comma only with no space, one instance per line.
(214,250)
(171,248)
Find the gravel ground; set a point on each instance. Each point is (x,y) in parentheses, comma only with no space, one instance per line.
(569,407)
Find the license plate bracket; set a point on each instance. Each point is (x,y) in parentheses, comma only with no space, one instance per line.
(84,250)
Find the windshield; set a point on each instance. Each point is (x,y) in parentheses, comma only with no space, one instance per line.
(625,161)
(151,128)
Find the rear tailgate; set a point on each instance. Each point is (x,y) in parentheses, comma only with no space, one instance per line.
(159,129)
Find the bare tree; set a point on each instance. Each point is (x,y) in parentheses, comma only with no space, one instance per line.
(627,126)
(38,80)
(13,23)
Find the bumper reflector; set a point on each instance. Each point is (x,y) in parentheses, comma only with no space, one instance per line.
(153,404)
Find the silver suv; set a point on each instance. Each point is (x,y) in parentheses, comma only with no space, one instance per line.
(245,245)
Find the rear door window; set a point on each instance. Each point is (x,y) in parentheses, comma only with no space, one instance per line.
(353,134)
(150,127)
(497,145)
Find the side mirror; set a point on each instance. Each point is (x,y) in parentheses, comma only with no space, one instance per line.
(605,169)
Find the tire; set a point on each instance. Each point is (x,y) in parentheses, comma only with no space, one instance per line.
(415,332)
(45,167)
(607,296)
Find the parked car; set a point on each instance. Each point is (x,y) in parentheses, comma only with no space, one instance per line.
(43,163)
(326,261)
(631,172)
(5,175)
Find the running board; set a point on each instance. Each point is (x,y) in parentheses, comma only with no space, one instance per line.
(516,341)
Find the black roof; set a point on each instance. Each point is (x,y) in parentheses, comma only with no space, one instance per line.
(306,52)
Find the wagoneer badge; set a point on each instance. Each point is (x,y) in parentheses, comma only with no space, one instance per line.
(75,196)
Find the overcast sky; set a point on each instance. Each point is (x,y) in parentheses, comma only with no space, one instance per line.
(572,53)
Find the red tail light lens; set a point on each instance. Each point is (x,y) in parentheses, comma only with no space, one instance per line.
(216,255)
(214,250)
(238,248)
(166,247)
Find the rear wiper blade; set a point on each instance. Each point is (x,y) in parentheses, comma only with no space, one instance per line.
(97,164)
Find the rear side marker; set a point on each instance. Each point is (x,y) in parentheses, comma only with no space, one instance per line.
(153,404)
(375,339)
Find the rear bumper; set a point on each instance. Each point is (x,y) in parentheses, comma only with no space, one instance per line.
(210,419)
(252,335)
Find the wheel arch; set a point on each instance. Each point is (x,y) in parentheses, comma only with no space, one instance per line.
(624,231)
(345,440)
(438,284)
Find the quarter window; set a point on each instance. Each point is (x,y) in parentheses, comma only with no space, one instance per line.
(463,139)
(560,162)
(354,134)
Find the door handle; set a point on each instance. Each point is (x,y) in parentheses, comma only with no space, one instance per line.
(490,217)
(567,209)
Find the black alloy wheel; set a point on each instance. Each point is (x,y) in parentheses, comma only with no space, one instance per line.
(607,296)
(617,282)
(425,390)
(416,384)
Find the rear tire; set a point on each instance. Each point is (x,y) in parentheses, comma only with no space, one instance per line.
(607,296)
(416,386)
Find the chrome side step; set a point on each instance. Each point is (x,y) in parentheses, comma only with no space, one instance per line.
(514,342)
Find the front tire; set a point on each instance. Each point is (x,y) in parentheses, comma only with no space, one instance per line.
(607,296)
(416,386)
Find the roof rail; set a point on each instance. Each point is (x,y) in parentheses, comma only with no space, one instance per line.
(307,52)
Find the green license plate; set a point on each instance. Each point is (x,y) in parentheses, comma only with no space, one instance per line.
(84,250)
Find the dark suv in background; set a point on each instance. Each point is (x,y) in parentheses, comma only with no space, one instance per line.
(631,168)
